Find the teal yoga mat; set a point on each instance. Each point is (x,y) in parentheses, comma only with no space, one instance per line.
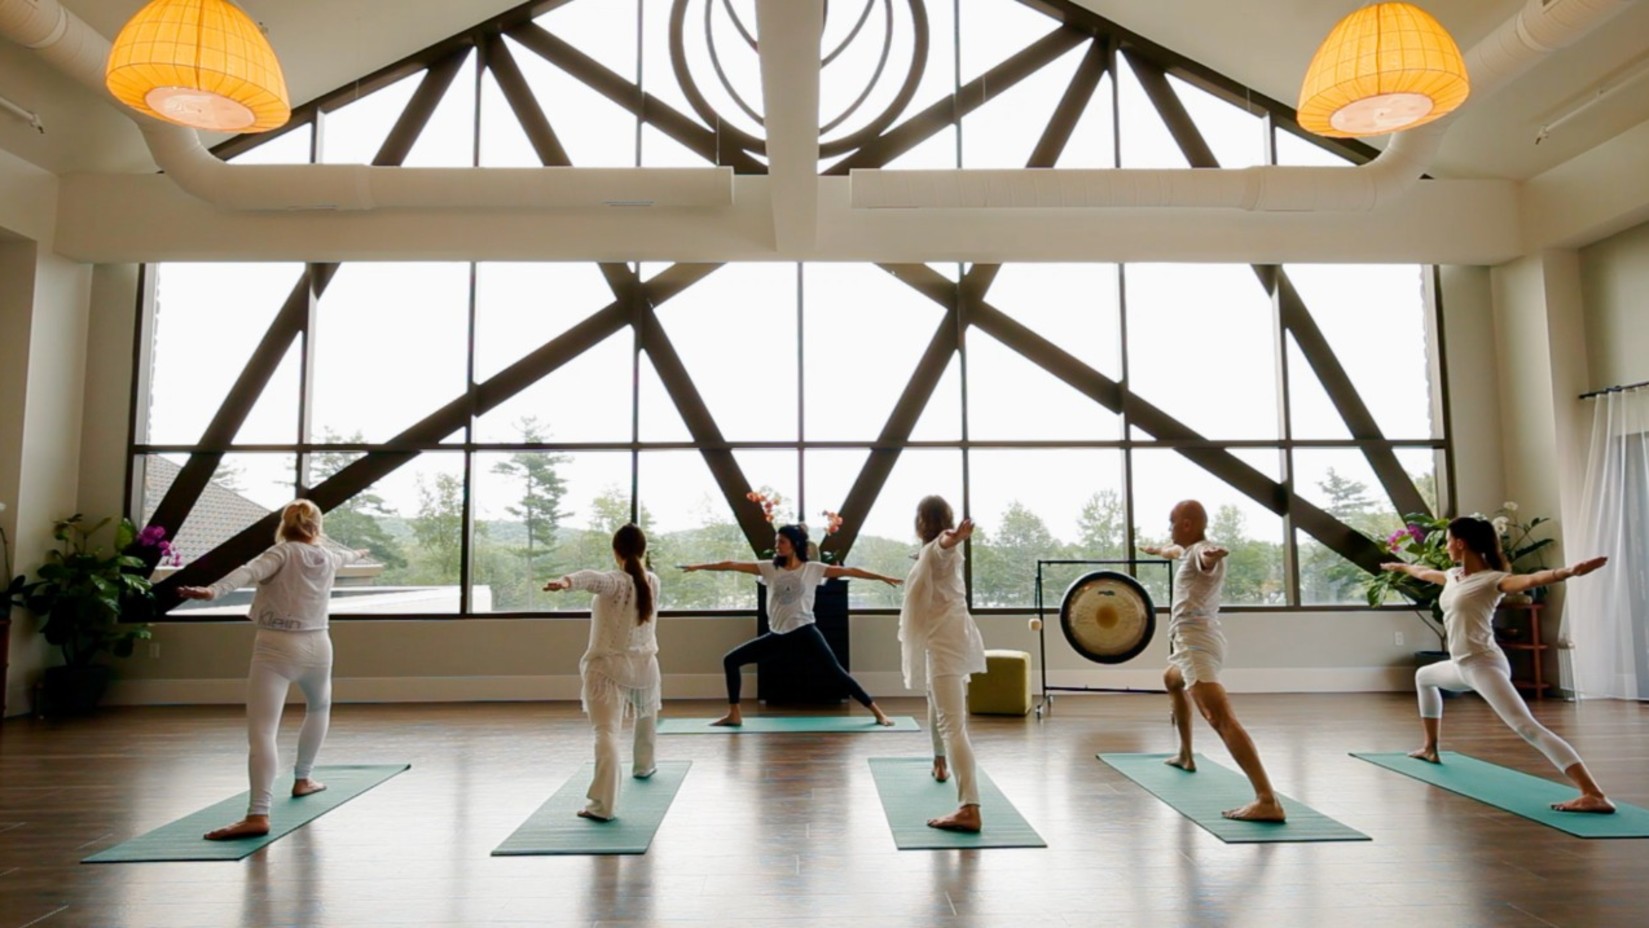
(910,796)
(181,840)
(556,828)
(1201,796)
(764,724)
(1517,793)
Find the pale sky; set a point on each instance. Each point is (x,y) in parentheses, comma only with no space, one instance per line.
(390,344)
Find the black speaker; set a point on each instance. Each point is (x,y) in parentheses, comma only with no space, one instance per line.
(787,679)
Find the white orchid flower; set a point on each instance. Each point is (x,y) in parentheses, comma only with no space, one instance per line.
(1509,506)
(1501,524)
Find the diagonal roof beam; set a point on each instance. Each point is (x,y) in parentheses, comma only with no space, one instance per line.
(788,36)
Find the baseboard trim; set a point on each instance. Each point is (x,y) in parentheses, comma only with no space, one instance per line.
(711,686)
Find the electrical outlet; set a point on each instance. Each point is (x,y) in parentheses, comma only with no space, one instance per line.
(1399,640)
(154,649)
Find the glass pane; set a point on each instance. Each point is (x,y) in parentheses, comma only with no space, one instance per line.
(539,516)
(602,29)
(1236,137)
(661,151)
(1254,573)
(858,84)
(504,144)
(1375,320)
(830,475)
(448,139)
(1201,347)
(741,312)
(1033,505)
(389,346)
(244,489)
(692,524)
(937,152)
(1004,132)
(353,133)
(595,131)
(858,318)
(521,307)
(1291,149)
(1146,141)
(1311,413)
(1093,141)
(208,320)
(721,64)
(773,474)
(587,399)
(993,30)
(1075,306)
(941,418)
(412,521)
(1011,398)
(888,537)
(1340,482)
(291,147)
(660,421)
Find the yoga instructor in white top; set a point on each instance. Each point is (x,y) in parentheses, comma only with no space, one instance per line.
(1471,591)
(792,580)
(294,587)
(940,648)
(620,665)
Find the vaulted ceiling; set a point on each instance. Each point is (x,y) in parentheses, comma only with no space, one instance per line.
(1265,44)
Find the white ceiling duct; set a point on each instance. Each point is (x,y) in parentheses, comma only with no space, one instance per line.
(1537,29)
(65,41)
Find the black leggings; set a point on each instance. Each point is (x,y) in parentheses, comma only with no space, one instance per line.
(806,641)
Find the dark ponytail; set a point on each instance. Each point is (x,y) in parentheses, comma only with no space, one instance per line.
(798,541)
(630,544)
(1480,536)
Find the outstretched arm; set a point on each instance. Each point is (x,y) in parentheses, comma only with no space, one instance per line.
(1167,552)
(950,538)
(743,567)
(257,570)
(834,572)
(591,581)
(1209,556)
(1424,574)
(1518,583)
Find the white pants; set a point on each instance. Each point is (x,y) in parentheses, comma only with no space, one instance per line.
(1490,677)
(607,717)
(1199,653)
(280,659)
(948,724)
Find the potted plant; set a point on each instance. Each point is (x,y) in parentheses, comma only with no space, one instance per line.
(90,601)
(1423,540)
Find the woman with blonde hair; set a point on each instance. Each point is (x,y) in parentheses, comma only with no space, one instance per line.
(294,587)
(941,648)
(620,665)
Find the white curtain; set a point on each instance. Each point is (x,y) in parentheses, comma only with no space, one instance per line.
(1606,615)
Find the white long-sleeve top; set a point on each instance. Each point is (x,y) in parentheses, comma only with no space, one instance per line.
(622,657)
(937,634)
(294,580)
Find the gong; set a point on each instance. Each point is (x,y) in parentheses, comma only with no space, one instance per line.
(1108,617)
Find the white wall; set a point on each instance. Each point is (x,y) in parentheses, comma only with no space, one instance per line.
(1615,284)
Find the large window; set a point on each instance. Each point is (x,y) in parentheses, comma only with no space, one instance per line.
(480,427)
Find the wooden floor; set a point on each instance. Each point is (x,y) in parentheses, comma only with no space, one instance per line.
(786,829)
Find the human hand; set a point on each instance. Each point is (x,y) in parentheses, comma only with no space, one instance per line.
(1587,566)
(556,586)
(1392,567)
(195,592)
(890,581)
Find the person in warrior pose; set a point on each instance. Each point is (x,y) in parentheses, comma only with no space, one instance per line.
(620,665)
(1198,653)
(792,580)
(941,647)
(294,586)
(1471,591)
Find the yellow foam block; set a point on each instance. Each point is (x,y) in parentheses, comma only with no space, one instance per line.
(1005,686)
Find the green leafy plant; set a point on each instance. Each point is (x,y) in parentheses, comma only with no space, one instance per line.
(90,600)
(1423,540)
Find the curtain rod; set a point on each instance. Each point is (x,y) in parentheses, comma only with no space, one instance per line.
(1616,389)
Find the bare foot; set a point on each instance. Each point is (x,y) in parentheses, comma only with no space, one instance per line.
(1597,805)
(1429,755)
(733,719)
(1184,762)
(307,786)
(586,813)
(941,771)
(965,818)
(881,717)
(252,826)
(1260,810)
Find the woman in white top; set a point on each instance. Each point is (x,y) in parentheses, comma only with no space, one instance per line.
(1471,591)
(620,666)
(792,580)
(941,647)
(294,586)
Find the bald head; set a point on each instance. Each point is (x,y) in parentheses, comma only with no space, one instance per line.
(1189,522)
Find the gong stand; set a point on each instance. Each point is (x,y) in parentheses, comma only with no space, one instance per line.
(1045,698)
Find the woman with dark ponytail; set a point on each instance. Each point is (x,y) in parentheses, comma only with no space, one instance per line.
(1471,591)
(791,581)
(620,666)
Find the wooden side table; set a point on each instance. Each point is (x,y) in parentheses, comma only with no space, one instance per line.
(1518,633)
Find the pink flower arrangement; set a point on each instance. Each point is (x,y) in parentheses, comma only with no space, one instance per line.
(833,522)
(1401,538)
(154,536)
(767,503)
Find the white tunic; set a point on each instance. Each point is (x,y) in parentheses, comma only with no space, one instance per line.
(937,635)
(1196,591)
(294,581)
(790,594)
(1468,603)
(621,661)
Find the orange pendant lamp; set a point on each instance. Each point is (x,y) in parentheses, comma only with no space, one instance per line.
(199,63)
(1385,68)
